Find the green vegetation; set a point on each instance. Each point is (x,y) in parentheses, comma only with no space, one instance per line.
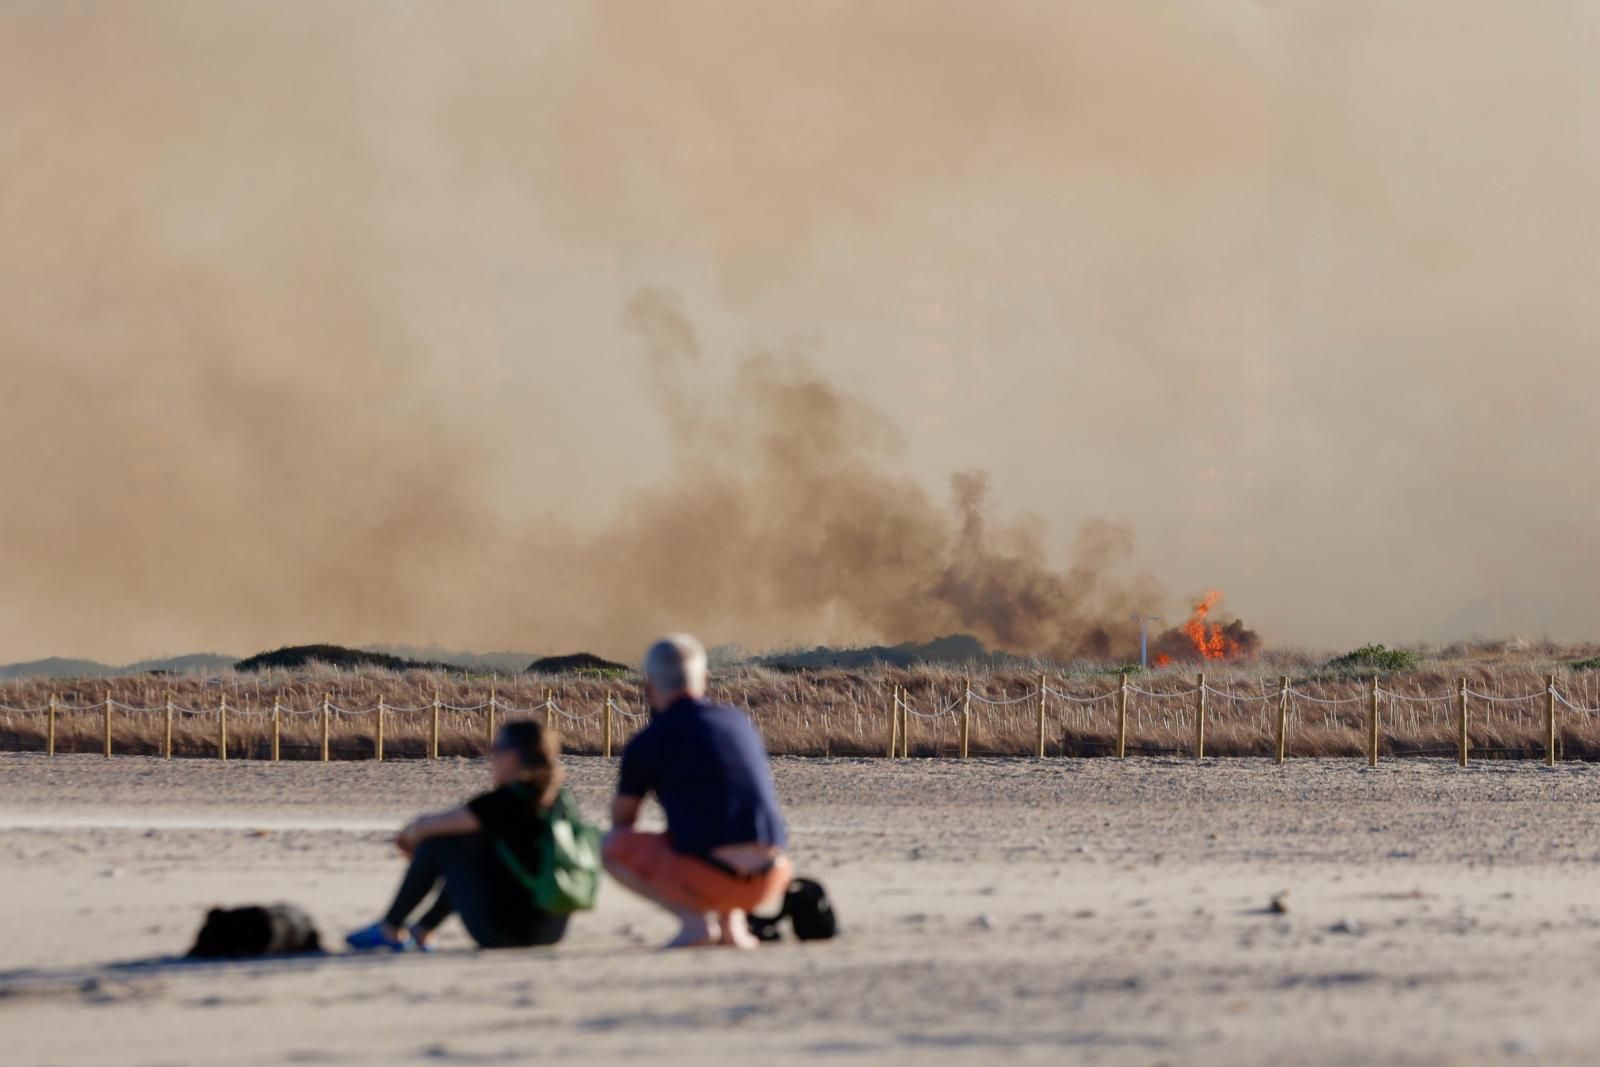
(299,656)
(1126,668)
(1375,658)
(1590,664)
(586,664)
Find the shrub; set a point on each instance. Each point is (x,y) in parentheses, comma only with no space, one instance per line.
(1126,668)
(586,663)
(1375,657)
(1590,664)
(301,656)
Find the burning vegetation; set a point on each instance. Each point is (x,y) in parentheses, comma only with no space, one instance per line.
(1203,637)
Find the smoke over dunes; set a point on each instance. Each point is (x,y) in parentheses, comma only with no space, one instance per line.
(784,514)
(551,326)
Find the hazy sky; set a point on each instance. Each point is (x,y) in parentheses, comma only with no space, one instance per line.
(545,326)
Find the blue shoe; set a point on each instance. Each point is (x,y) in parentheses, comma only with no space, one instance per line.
(372,938)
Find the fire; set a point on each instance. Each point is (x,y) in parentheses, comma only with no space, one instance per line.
(1205,637)
(1211,642)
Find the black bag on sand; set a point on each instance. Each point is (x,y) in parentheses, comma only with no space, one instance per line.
(808,909)
(236,933)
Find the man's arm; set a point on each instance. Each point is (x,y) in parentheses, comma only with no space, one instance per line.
(635,779)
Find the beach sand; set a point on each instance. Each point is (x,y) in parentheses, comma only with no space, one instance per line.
(1024,911)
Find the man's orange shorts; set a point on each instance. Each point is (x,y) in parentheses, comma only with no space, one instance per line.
(650,859)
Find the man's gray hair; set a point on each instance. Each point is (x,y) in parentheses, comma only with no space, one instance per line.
(677,664)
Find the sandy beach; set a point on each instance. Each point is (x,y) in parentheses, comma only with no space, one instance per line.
(1015,911)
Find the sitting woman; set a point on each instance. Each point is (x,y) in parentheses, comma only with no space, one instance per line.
(458,852)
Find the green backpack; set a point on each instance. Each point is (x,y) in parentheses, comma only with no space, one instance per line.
(569,860)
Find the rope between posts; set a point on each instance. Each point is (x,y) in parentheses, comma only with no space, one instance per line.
(465,707)
(625,713)
(1448,697)
(915,714)
(1004,703)
(1296,694)
(1069,698)
(24,711)
(565,714)
(951,710)
(1506,700)
(1575,707)
(1254,697)
(1174,693)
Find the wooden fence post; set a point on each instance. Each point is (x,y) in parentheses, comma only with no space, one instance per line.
(548,698)
(277,729)
(433,733)
(222,728)
(1283,716)
(108,724)
(1463,714)
(166,748)
(966,719)
(1372,726)
(1550,723)
(905,724)
(1200,717)
(1122,717)
(488,744)
(894,720)
(1041,714)
(377,748)
(327,722)
(605,735)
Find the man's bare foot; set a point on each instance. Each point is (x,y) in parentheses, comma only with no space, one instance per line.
(736,931)
(697,930)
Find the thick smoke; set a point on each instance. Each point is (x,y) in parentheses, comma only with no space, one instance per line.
(784,519)
(309,321)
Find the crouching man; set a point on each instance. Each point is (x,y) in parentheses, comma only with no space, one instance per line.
(722,855)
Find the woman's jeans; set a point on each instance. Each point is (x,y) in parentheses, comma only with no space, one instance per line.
(459,867)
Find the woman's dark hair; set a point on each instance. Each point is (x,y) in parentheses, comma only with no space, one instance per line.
(539,749)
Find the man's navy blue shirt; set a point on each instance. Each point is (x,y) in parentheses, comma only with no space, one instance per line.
(707,766)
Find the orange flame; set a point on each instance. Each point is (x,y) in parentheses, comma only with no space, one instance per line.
(1209,641)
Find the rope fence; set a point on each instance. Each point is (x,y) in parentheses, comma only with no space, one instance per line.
(1106,719)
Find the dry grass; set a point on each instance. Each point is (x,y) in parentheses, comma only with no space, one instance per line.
(845,713)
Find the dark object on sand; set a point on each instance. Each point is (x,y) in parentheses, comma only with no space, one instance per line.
(234,933)
(808,909)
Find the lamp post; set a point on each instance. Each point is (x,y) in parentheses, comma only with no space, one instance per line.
(1144,638)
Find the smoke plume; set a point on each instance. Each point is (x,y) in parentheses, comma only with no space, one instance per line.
(549,326)
(784,519)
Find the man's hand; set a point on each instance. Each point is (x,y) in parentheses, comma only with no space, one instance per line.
(625,812)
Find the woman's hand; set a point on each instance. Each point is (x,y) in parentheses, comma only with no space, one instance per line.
(407,839)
